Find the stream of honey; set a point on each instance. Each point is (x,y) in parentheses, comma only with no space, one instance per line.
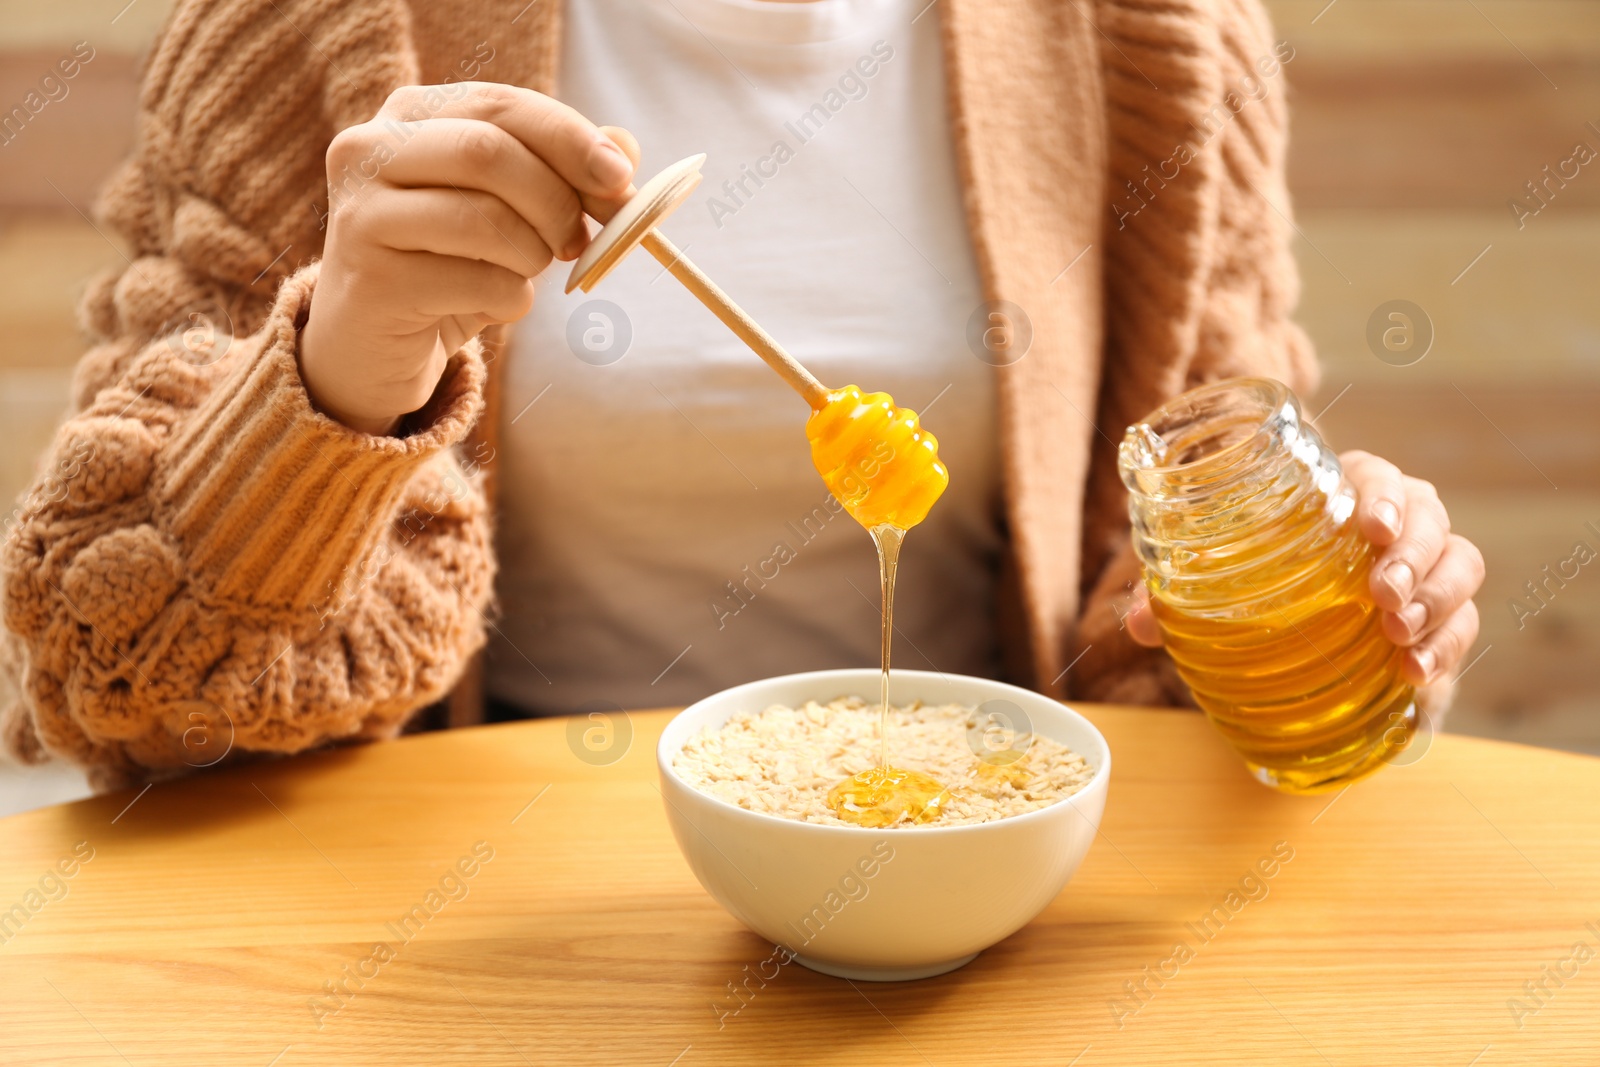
(884,468)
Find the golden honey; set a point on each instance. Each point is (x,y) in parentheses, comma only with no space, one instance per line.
(884,796)
(876,458)
(879,462)
(1246,531)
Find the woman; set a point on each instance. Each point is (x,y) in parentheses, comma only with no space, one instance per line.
(279,536)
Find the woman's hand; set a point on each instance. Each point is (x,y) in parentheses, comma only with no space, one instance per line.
(442,209)
(1423,581)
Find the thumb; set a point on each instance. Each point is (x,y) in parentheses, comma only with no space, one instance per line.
(1141,621)
(625,141)
(602,210)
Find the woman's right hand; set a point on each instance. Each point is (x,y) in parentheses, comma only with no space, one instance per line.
(442,209)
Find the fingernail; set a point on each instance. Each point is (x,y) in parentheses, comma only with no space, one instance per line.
(1413,616)
(1388,515)
(607,164)
(1399,577)
(1425,663)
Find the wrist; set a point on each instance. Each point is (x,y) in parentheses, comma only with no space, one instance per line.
(377,426)
(323,390)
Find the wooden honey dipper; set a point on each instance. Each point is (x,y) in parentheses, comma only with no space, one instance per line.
(874,456)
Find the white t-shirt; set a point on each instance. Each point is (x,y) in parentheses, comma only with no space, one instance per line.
(662,532)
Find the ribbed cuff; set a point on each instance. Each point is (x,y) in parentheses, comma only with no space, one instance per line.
(274,502)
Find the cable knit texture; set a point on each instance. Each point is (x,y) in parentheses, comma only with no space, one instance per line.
(1200,278)
(207,564)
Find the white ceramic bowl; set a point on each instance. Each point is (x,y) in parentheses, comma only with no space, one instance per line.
(884,905)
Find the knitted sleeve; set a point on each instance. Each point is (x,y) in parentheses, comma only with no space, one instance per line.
(1200,276)
(206,567)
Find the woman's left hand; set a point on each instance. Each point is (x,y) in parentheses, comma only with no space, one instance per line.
(1423,580)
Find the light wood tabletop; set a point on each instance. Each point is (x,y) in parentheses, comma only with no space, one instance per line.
(1443,912)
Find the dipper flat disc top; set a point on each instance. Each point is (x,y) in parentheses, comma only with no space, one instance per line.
(659,198)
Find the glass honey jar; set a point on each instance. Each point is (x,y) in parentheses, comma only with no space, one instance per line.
(1245,528)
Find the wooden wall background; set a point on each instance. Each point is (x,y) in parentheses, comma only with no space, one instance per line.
(1415,122)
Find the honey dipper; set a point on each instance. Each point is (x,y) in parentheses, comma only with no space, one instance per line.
(874,457)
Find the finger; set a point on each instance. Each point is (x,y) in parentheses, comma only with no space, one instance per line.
(1449,586)
(602,208)
(436,287)
(1421,543)
(574,147)
(1141,621)
(1380,496)
(466,223)
(624,140)
(456,330)
(1441,652)
(464,154)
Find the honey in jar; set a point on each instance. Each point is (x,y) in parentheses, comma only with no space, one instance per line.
(1245,528)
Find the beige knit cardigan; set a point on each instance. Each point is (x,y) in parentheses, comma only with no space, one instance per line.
(205,564)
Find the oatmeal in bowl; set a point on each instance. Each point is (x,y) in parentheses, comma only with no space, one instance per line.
(1019,784)
(785,761)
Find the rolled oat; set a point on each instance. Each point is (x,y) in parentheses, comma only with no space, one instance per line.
(782,761)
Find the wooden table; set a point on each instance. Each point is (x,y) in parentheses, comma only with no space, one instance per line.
(215,913)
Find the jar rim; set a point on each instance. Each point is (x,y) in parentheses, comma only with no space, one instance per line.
(1271,393)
